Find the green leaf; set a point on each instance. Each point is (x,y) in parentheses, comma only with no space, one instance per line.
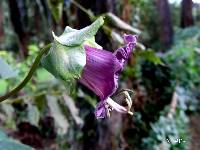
(6,71)
(67,56)
(13,145)
(150,55)
(3,135)
(8,144)
(3,86)
(33,49)
(56,7)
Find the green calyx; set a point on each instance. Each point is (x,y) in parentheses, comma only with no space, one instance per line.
(67,57)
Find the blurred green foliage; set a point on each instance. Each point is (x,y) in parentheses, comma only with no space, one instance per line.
(56,8)
(183,60)
(155,75)
(178,72)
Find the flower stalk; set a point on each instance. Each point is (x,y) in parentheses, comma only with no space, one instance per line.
(29,75)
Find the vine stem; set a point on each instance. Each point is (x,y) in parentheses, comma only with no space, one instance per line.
(29,75)
(89,13)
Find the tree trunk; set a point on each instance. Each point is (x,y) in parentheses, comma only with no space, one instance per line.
(127,11)
(108,130)
(186,13)
(166,30)
(18,26)
(98,7)
(111,6)
(1,24)
(110,133)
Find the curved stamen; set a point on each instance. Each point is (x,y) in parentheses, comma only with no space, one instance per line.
(118,107)
(128,99)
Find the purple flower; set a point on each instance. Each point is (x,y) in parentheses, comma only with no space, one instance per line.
(102,71)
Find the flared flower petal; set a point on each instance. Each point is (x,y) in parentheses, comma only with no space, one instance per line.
(102,70)
(98,74)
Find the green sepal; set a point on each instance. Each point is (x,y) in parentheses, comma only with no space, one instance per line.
(65,63)
(73,37)
(67,57)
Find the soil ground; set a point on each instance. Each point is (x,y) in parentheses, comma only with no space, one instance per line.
(195,132)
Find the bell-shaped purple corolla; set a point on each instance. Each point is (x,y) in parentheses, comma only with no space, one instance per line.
(101,73)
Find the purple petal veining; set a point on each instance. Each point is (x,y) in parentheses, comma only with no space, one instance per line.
(102,71)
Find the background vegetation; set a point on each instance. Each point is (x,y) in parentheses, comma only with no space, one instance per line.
(163,72)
